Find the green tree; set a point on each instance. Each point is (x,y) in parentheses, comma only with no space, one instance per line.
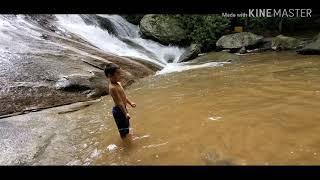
(275,24)
(205,29)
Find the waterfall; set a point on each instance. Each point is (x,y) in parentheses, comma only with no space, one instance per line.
(110,33)
(126,42)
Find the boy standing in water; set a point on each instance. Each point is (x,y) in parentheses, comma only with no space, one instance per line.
(119,111)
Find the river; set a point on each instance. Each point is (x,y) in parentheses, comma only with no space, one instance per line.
(260,110)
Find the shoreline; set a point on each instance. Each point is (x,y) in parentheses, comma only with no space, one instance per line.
(195,60)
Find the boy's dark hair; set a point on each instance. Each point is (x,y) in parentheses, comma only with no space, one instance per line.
(110,69)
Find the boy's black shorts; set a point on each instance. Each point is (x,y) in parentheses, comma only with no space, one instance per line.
(121,121)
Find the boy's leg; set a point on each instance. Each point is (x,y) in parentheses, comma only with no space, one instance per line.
(121,121)
(123,135)
(124,131)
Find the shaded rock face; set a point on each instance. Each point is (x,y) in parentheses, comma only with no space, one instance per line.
(242,50)
(266,44)
(164,29)
(238,40)
(312,48)
(133,18)
(135,45)
(285,43)
(94,85)
(192,52)
(169,58)
(151,66)
(43,20)
(37,72)
(220,56)
(103,23)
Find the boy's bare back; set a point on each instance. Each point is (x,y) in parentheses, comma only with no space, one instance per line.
(117,93)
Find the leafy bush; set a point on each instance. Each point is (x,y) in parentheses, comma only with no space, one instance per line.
(205,29)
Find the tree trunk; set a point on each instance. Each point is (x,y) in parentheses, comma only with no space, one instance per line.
(246,24)
(280,25)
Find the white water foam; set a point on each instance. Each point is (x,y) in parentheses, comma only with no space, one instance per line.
(111,147)
(178,67)
(214,118)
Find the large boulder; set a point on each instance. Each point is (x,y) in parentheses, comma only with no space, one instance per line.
(311,48)
(165,29)
(285,43)
(238,40)
(191,52)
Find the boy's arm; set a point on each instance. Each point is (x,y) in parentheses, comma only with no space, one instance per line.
(127,99)
(130,102)
(117,100)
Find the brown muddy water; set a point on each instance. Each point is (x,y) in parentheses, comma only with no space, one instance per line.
(261,110)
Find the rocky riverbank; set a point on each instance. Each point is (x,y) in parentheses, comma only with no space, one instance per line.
(43,66)
(197,32)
